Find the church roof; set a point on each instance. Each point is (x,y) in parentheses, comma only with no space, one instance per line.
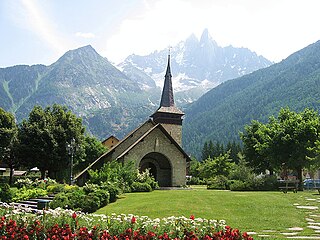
(167,99)
(140,138)
(159,126)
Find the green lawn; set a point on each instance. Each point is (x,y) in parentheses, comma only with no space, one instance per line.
(248,211)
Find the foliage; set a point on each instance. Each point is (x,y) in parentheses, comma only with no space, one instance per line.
(212,150)
(8,140)
(146,178)
(218,182)
(113,190)
(115,176)
(140,187)
(93,148)
(220,165)
(241,171)
(24,194)
(288,141)
(87,199)
(122,174)
(44,136)
(5,193)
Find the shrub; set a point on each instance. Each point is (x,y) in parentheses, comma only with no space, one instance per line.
(55,188)
(25,194)
(140,187)
(95,189)
(24,182)
(60,200)
(90,204)
(5,193)
(270,183)
(196,181)
(218,182)
(113,190)
(238,185)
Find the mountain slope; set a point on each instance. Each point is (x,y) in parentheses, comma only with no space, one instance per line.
(108,101)
(222,112)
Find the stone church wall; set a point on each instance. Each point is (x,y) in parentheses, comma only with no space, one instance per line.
(157,142)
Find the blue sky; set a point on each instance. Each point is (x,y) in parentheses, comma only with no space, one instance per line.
(40,31)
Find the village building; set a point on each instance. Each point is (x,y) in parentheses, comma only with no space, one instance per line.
(155,145)
(110,142)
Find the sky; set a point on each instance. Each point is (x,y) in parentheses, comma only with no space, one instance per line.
(41,31)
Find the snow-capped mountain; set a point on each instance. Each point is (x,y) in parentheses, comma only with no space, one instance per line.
(198,65)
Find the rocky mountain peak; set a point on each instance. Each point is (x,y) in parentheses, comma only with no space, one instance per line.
(206,39)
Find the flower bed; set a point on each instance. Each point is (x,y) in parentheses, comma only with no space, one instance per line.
(66,224)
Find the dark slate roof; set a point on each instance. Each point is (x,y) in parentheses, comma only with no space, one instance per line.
(172,109)
(167,99)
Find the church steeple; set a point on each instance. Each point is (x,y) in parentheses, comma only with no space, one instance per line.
(167,99)
(168,115)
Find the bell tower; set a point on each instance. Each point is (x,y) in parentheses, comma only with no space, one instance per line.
(168,115)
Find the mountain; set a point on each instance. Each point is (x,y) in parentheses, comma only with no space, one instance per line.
(114,100)
(108,100)
(221,113)
(198,65)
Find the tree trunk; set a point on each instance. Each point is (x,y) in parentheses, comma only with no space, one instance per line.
(299,172)
(271,172)
(11,175)
(43,173)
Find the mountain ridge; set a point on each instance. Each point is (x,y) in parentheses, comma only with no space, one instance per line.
(112,100)
(294,83)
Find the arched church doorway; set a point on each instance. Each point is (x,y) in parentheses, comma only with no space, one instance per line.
(159,166)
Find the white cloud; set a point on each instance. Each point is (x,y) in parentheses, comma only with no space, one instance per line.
(272,28)
(38,23)
(85,35)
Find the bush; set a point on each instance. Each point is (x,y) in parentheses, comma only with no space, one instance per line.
(113,190)
(196,181)
(90,204)
(55,188)
(140,187)
(25,194)
(238,185)
(218,182)
(60,200)
(102,194)
(5,193)
(270,183)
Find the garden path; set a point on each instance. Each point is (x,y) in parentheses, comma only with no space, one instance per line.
(309,206)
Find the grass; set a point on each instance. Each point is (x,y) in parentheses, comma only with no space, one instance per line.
(248,211)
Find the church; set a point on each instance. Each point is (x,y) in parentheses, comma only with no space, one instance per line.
(155,145)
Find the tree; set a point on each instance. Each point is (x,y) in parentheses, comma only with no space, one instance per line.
(43,137)
(220,165)
(288,140)
(93,149)
(256,139)
(8,140)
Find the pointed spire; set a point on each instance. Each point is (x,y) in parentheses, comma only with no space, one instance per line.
(167,99)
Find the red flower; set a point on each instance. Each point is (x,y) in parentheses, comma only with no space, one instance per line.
(192,217)
(133,220)
(74,215)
